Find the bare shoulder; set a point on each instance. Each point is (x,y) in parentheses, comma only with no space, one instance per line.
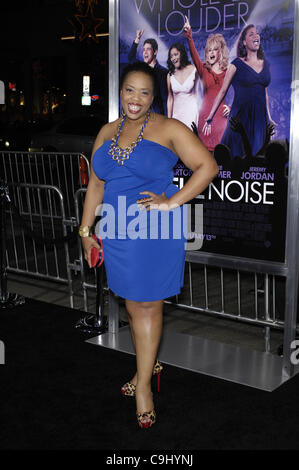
(173,126)
(157,129)
(156,123)
(158,118)
(106,133)
(109,129)
(163,129)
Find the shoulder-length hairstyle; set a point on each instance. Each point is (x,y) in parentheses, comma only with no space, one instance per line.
(183,59)
(241,49)
(224,54)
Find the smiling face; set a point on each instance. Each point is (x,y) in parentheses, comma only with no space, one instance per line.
(175,57)
(148,53)
(213,53)
(252,40)
(137,95)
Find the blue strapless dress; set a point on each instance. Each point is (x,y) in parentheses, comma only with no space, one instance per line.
(249,106)
(144,251)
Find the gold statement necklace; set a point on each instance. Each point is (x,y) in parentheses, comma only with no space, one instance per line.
(119,154)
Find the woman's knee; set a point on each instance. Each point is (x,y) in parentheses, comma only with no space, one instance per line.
(144,308)
(148,305)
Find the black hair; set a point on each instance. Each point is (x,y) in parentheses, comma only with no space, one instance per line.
(241,49)
(153,43)
(140,67)
(183,59)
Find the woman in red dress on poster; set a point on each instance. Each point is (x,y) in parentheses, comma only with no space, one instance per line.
(212,73)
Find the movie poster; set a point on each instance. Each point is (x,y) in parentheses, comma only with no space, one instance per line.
(198,45)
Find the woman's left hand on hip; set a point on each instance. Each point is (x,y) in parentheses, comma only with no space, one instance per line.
(226,110)
(207,129)
(154,201)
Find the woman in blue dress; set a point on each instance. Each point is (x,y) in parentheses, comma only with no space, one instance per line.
(249,75)
(132,169)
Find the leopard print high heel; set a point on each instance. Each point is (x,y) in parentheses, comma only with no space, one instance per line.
(150,419)
(129,389)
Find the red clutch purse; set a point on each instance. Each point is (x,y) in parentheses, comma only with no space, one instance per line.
(96,256)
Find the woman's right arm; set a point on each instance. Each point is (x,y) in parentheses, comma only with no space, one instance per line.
(94,197)
(169,98)
(194,54)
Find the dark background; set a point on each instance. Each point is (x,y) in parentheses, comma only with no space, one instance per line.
(47,71)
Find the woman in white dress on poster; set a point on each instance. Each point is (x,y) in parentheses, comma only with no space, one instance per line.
(184,92)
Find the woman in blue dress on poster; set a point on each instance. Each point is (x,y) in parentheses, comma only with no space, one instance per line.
(249,74)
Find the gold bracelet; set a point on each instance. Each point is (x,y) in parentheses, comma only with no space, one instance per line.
(84,231)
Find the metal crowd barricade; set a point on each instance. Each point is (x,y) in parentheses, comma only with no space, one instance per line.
(43,185)
(36,227)
(250,291)
(67,171)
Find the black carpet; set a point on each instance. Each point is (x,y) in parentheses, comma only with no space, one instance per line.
(59,392)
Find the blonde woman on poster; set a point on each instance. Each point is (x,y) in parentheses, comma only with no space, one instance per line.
(212,73)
